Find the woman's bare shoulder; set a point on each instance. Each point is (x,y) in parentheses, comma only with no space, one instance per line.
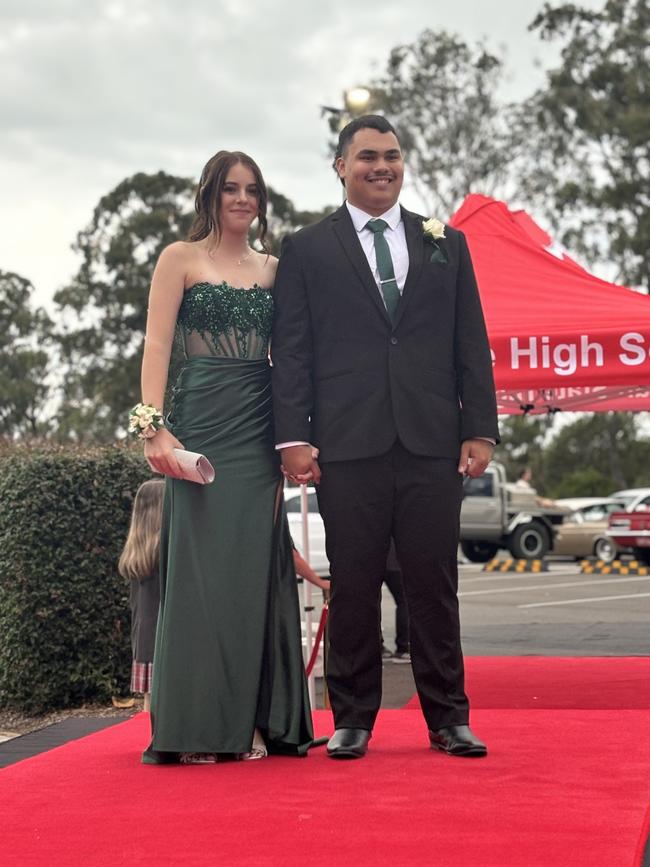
(174,263)
(179,258)
(178,251)
(269,264)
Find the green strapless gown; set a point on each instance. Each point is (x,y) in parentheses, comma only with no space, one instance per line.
(228,654)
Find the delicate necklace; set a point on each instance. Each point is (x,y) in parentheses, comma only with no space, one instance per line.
(245,258)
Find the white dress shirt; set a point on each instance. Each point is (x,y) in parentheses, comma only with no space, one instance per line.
(395,238)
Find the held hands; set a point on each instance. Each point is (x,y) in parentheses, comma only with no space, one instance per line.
(159,454)
(299,464)
(475,455)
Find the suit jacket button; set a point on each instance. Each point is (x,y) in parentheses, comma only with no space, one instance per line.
(393,340)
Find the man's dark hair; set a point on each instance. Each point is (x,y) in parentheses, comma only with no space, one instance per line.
(366,121)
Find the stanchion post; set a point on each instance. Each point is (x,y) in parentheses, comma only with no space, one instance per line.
(326,650)
(307,590)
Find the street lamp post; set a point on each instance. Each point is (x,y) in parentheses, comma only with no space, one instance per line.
(356,101)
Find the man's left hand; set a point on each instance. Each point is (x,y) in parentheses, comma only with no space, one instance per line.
(300,465)
(475,455)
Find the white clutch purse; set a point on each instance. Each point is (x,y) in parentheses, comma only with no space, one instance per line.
(196,467)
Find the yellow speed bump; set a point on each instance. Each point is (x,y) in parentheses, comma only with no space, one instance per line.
(511,565)
(616,567)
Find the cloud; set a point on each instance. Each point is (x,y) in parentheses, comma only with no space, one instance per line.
(95,90)
(96,77)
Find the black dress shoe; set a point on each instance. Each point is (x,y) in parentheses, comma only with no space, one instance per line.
(348,744)
(457,741)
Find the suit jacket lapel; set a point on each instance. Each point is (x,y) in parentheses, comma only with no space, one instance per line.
(415,246)
(347,235)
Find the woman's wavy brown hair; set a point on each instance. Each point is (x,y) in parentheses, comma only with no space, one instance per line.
(139,559)
(208,196)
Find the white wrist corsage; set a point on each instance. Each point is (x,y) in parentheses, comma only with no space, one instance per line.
(145,421)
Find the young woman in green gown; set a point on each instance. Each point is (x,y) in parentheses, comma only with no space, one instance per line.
(228,670)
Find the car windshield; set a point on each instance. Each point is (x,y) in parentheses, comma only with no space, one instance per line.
(600,511)
(627,499)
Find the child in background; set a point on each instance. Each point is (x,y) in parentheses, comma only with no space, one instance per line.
(139,563)
(304,570)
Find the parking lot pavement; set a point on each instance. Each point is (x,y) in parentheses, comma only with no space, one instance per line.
(559,612)
(556,613)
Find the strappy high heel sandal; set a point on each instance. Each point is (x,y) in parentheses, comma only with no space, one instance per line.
(257,751)
(198,758)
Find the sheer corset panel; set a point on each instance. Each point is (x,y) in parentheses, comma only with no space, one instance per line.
(219,319)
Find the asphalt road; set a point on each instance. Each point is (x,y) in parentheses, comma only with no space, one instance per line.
(556,613)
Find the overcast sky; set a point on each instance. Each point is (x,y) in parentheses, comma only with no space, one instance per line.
(92,91)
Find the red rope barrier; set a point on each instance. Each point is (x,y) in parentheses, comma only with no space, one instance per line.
(317,641)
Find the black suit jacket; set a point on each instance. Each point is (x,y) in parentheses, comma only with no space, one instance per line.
(350,382)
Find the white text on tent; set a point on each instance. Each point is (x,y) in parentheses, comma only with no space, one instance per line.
(564,358)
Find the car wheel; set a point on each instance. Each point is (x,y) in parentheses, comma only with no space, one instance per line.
(529,541)
(479,552)
(605,549)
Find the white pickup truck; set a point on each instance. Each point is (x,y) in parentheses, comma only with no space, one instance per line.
(497,515)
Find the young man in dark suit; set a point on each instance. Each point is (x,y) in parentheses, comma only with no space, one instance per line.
(381,361)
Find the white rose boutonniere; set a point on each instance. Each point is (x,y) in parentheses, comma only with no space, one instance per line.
(434,232)
(434,228)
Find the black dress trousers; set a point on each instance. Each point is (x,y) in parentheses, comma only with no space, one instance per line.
(416,500)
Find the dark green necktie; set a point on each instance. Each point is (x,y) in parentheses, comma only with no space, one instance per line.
(388,283)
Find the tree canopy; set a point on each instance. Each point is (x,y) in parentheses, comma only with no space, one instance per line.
(284,218)
(588,133)
(595,455)
(441,95)
(24,360)
(104,308)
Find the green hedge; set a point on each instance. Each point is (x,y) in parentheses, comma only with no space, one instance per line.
(64,612)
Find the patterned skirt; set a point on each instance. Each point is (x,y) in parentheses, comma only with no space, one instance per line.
(141,676)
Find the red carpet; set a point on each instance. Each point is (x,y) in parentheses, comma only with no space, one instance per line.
(584,682)
(561,788)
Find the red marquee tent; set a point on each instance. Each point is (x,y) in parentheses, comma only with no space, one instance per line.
(560,337)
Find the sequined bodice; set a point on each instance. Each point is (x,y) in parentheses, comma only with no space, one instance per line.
(218,319)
